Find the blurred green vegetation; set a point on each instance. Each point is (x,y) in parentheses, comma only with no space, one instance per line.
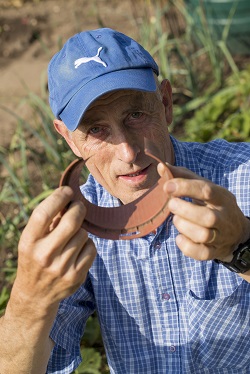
(226,114)
(211,94)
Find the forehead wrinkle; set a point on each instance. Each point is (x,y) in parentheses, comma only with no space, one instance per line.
(91,116)
(112,97)
(136,100)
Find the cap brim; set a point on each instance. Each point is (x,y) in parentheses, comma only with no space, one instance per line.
(133,79)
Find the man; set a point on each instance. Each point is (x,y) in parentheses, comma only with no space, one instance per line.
(168,302)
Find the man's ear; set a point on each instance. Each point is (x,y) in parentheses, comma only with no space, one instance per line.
(166,92)
(62,130)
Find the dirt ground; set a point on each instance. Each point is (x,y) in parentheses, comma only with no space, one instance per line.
(32,31)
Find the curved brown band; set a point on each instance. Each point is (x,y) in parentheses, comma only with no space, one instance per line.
(129,221)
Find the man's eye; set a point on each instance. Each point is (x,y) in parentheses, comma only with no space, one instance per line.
(94,130)
(136,115)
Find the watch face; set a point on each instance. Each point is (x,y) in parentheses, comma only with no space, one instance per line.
(246,256)
(241,260)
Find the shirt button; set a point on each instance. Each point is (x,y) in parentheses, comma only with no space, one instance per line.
(165,296)
(172,348)
(157,245)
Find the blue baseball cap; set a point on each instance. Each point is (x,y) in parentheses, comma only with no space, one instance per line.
(92,63)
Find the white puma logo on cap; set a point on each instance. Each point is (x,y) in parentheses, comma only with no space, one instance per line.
(95,58)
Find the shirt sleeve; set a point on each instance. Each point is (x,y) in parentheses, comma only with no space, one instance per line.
(68,330)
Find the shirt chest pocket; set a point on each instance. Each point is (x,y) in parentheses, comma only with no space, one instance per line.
(219,330)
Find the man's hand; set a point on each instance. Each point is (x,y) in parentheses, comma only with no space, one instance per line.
(55,253)
(212,225)
(54,257)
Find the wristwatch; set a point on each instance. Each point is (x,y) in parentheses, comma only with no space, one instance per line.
(240,262)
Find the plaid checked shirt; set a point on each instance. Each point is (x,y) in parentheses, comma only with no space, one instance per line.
(161,312)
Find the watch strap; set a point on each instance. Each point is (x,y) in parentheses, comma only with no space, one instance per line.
(240,262)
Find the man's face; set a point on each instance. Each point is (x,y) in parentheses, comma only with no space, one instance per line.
(111,140)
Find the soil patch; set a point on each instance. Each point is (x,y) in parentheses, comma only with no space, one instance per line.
(32,31)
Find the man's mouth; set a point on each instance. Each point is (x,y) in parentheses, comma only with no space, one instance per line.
(134,176)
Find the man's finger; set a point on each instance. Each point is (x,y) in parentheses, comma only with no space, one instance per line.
(187,183)
(200,252)
(194,231)
(197,214)
(45,212)
(86,256)
(199,189)
(178,172)
(68,226)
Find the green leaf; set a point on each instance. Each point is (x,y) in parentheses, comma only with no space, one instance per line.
(91,362)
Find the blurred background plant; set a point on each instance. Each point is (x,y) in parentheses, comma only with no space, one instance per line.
(211,95)
(226,114)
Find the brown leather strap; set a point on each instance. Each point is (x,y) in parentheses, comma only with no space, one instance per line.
(133,220)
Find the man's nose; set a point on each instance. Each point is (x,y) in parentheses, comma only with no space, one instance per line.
(127,148)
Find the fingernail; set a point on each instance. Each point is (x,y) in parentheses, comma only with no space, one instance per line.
(179,240)
(173,204)
(66,190)
(171,187)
